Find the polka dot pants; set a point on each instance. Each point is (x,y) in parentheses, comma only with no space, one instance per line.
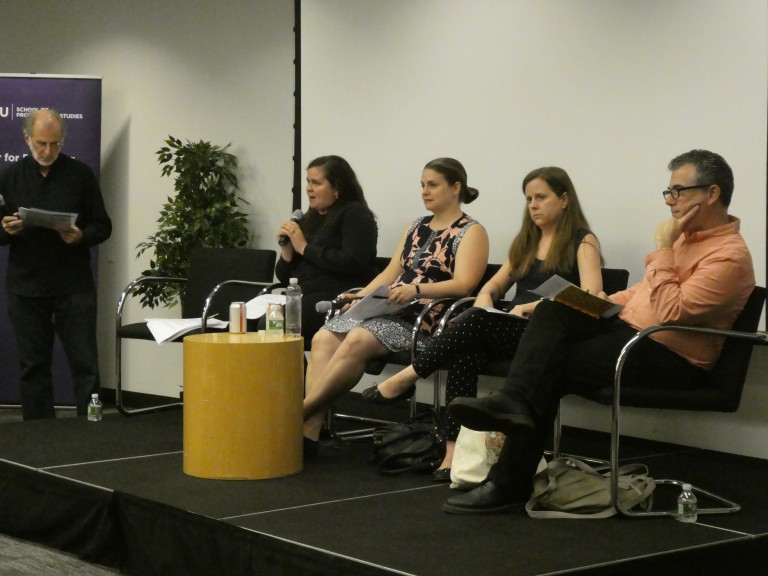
(471,340)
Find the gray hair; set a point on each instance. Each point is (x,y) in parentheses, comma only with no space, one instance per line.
(31,118)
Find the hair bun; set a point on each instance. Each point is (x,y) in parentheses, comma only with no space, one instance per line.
(470,194)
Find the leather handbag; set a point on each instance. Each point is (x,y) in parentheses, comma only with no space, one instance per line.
(416,445)
(570,488)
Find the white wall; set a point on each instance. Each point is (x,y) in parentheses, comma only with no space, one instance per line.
(197,70)
(610,90)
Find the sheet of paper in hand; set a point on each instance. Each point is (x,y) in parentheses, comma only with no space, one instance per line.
(373,304)
(560,290)
(46,219)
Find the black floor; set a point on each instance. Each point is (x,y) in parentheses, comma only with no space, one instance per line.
(114,492)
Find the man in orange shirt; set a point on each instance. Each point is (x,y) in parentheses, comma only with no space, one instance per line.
(699,274)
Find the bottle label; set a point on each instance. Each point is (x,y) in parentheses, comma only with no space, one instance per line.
(687,508)
(94,412)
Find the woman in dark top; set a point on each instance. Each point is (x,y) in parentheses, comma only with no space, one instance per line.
(333,248)
(554,239)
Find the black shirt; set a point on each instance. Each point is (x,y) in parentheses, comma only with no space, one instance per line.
(40,263)
(340,252)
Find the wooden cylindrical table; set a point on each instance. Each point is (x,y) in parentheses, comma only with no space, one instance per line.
(243,405)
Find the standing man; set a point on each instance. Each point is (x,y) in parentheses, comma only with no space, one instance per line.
(699,274)
(49,279)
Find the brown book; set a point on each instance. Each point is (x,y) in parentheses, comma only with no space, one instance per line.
(560,290)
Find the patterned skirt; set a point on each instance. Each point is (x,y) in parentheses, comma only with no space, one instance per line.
(394,331)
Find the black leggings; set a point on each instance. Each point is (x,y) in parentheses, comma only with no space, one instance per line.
(471,340)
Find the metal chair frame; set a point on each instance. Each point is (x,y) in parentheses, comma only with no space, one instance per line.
(727,506)
(260,265)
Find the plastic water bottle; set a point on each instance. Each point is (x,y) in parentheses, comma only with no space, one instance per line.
(274,320)
(293,308)
(687,507)
(95,409)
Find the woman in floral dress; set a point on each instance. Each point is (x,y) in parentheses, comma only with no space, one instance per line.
(441,255)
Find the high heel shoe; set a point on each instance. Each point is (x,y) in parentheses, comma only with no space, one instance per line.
(372,394)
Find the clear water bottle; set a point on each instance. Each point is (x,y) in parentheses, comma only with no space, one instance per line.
(293,308)
(95,409)
(687,507)
(275,320)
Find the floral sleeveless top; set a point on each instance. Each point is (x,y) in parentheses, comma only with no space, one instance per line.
(430,256)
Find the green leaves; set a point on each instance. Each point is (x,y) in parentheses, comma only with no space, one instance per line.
(204,212)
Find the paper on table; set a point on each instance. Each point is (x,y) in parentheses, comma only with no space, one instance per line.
(560,290)
(46,219)
(166,329)
(257,307)
(374,304)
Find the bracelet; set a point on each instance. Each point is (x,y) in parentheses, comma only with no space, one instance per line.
(418,290)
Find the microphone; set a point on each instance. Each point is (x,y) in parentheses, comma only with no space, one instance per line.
(295,217)
(326,306)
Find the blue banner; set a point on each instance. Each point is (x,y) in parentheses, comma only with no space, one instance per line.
(78,100)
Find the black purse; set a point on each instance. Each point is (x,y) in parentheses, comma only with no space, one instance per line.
(416,445)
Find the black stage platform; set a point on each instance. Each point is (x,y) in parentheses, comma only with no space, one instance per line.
(114,493)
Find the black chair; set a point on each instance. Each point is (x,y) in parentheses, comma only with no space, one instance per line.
(720,391)
(216,277)
(404,358)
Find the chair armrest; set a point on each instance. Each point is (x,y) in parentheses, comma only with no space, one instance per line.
(459,306)
(755,338)
(453,310)
(128,290)
(417,324)
(264,288)
(331,313)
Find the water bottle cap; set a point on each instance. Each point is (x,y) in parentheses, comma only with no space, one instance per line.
(293,281)
(94,395)
(687,487)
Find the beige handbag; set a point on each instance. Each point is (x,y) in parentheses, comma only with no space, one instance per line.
(473,457)
(570,488)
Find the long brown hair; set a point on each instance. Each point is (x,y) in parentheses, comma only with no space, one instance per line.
(561,256)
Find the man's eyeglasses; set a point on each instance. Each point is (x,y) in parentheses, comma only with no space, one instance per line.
(675,190)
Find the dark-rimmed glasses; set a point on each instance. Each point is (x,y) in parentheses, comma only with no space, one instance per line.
(675,190)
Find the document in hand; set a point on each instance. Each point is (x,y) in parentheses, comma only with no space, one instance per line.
(167,329)
(46,219)
(373,304)
(560,290)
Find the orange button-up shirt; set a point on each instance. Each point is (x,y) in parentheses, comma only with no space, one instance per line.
(705,279)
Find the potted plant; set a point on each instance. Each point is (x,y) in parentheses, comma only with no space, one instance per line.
(204,212)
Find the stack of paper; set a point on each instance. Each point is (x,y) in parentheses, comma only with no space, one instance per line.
(46,219)
(374,304)
(167,329)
